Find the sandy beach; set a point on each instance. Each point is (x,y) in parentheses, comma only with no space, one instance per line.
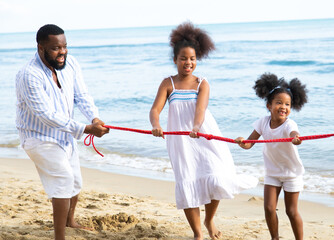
(126,207)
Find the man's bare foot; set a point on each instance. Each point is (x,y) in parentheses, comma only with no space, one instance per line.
(77,225)
(213,231)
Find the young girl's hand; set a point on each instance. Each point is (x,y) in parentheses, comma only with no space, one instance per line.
(158,132)
(296,140)
(194,132)
(239,141)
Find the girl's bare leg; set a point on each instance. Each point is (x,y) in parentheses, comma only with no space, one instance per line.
(291,206)
(210,210)
(194,220)
(271,194)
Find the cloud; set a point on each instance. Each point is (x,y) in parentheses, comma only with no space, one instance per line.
(11,8)
(29,15)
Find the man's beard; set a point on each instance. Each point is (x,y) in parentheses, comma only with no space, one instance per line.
(54,63)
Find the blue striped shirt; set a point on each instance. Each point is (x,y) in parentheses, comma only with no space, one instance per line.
(45,111)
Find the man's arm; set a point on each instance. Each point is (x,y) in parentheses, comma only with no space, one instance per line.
(86,105)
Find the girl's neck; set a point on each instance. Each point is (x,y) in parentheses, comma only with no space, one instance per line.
(185,82)
(181,78)
(276,123)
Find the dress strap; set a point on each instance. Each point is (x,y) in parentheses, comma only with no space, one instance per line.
(171,79)
(200,80)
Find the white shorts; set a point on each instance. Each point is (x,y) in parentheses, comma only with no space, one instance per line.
(289,184)
(58,170)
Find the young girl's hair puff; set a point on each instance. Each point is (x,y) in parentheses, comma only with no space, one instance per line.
(268,85)
(187,35)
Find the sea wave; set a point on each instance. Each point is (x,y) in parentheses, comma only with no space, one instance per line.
(127,101)
(10,145)
(13,50)
(120,45)
(319,181)
(292,62)
(315,182)
(328,69)
(88,47)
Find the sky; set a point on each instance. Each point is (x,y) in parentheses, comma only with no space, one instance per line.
(30,15)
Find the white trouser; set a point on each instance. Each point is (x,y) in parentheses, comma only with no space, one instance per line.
(58,170)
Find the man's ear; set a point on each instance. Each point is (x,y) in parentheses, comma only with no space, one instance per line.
(40,47)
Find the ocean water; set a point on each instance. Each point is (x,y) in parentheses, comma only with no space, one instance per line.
(124,67)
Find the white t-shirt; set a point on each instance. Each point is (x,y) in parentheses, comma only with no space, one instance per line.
(281,159)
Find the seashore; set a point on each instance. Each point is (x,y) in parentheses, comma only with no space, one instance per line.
(126,207)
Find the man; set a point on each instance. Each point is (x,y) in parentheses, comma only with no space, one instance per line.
(47,89)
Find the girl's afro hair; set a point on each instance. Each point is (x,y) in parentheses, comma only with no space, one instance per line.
(187,35)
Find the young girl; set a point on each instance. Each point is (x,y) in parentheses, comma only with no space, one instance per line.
(204,170)
(283,166)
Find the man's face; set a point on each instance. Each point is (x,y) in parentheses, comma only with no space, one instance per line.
(53,52)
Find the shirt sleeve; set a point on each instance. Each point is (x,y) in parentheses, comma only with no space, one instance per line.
(82,98)
(43,108)
(257,125)
(291,127)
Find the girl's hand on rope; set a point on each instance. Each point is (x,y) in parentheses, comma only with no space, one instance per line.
(158,132)
(296,140)
(242,144)
(194,132)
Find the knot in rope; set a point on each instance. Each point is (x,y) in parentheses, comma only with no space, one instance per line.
(208,136)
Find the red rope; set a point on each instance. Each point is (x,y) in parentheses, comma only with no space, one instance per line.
(91,141)
(90,137)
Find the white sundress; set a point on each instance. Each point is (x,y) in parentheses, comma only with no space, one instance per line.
(203,169)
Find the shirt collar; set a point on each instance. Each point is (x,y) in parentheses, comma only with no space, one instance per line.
(44,67)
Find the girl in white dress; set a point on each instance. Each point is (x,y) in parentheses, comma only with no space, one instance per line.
(204,170)
(283,167)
